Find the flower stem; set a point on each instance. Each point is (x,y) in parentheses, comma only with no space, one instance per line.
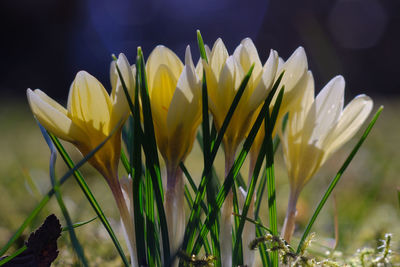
(127,220)
(289,224)
(226,215)
(174,207)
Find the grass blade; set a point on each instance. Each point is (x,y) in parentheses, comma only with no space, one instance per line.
(13,255)
(49,194)
(265,148)
(189,200)
(207,150)
(125,163)
(153,249)
(136,161)
(195,212)
(229,180)
(259,224)
(150,146)
(337,178)
(85,188)
(53,157)
(79,224)
(238,256)
(271,186)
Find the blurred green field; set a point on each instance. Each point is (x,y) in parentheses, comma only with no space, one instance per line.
(366,198)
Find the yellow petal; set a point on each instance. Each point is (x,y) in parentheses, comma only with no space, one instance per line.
(161,55)
(89,104)
(163,88)
(53,117)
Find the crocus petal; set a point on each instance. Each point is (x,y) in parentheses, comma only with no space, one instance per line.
(327,107)
(184,112)
(89,103)
(120,107)
(267,78)
(295,75)
(218,57)
(294,68)
(50,101)
(350,121)
(162,55)
(184,105)
(163,89)
(53,117)
(300,110)
(246,54)
(229,81)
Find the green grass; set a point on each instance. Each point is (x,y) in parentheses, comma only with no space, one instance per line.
(366,196)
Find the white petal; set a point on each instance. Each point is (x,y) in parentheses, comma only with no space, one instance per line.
(218,57)
(246,54)
(184,106)
(294,68)
(50,101)
(113,74)
(299,110)
(127,75)
(191,69)
(229,81)
(120,107)
(328,107)
(52,118)
(350,121)
(253,55)
(199,68)
(268,75)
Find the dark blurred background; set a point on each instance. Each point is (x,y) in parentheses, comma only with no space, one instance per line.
(45,42)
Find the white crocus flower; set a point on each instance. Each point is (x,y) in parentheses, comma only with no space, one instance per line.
(316,129)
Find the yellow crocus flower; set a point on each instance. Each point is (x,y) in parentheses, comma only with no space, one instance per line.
(91,115)
(316,128)
(224,75)
(175,94)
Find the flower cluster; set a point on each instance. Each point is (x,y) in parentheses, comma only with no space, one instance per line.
(316,126)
